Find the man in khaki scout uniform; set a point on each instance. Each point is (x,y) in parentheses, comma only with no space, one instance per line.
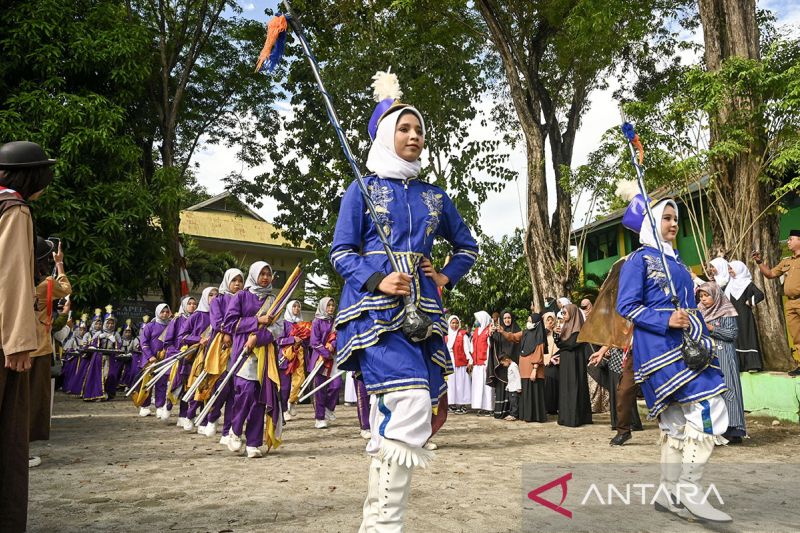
(789,267)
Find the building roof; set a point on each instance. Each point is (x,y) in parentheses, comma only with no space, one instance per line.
(694,188)
(225,217)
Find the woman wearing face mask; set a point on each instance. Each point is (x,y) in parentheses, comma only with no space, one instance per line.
(406,378)
(152,344)
(688,403)
(216,357)
(255,385)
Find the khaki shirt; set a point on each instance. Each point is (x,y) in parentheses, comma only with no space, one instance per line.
(17,315)
(61,288)
(789,267)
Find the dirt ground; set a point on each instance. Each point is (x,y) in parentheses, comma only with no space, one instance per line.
(106,469)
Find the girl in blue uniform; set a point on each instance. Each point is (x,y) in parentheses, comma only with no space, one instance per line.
(405,379)
(688,403)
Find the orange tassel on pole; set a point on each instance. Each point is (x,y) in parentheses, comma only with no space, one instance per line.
(275,27)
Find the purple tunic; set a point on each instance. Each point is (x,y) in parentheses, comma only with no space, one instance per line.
(149,341)
(320,330)
(240,321)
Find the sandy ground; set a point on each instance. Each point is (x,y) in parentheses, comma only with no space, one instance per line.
(106,469)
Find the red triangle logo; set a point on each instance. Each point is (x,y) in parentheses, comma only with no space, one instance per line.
(562,482)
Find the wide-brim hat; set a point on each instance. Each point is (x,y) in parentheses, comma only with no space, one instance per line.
(23,154)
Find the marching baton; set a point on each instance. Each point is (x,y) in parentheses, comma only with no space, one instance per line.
(142,374)
(339,373)
(310,379)
(417,326)
(195,386)
(157,376)
(235,368)
(171,359)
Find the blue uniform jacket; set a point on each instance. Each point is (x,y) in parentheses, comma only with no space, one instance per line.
(413,214)
(658,365)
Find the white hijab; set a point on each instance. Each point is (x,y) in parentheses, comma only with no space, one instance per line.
(322,309)
(452,333)
(204,306)
(722,277)
(564,301)
(646,236)
(183,311)
(740,281)
(159,308)
(252,280)
(484,319)
(228,278)
(290,317)
(383,159)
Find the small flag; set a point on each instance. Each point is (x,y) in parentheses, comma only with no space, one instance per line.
(274,45)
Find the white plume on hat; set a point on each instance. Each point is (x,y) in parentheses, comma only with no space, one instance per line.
(386,85)
(627,189)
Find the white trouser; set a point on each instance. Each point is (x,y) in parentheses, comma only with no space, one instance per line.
(403,416)
(706,418)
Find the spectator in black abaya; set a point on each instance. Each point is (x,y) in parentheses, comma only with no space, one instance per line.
(550,365)
(496,373)
(574,408)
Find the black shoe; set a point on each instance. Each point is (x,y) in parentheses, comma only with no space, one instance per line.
(794,373)
(620,439)
(734,440)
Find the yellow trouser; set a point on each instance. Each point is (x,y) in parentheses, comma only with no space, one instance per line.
(298,376)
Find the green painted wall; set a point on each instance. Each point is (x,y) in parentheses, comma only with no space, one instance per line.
(771,394)
(685,241)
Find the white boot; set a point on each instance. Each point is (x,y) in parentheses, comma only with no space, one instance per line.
(397,463)
(180,421)
(671,459)
(224,440)
(697,449)
(187,424)
(144,411)
(292,410)
(209,430)
(371,508)
(329,415)
(287,416)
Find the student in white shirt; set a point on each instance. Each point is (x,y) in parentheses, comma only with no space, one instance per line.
(514,386)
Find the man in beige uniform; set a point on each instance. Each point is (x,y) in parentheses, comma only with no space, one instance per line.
(25,171)
(789,267)
(57,288)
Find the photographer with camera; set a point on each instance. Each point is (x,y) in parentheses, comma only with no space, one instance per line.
(25,171)
(49,289)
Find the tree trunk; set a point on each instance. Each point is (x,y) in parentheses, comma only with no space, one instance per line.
(546,258)
(738,197)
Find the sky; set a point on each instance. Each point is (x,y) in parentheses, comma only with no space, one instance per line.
(503,211)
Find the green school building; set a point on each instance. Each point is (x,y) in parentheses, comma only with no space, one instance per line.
(605,241)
